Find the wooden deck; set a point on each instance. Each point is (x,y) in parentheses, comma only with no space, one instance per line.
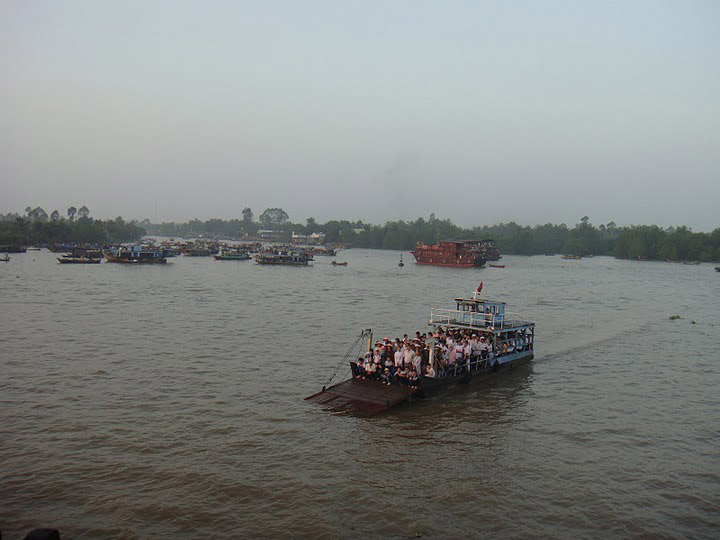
(363,397)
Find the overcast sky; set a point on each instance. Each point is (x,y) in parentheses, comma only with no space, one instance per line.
(477,111)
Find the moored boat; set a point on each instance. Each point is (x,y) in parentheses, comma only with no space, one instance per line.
(233,255)
(506,341)
(135,255)
(336,263)
(13,248)
(292,258)
(68,259)
(457,253)
(572,257)
(491,265)
(5,258)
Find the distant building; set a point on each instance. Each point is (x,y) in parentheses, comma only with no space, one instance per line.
(269,234)
(316,238)
(298,238)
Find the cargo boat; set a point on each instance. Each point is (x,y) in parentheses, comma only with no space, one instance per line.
(457,253)
(511,343)
(135,255)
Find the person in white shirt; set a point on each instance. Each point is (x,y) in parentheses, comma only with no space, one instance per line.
(417,360)
(408,356)
(430,371)
(398,358)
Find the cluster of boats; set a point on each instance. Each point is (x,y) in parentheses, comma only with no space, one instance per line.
(151,253)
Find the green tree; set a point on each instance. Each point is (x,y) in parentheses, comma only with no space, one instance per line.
(273,216)
(71,213)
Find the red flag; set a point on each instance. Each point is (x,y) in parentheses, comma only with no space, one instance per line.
(479,289)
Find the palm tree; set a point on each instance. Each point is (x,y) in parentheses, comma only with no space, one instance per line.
(71,213)
(40,214)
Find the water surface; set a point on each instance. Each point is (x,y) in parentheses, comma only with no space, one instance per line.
(158,401)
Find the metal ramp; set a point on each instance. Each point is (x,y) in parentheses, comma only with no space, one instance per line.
(363,397)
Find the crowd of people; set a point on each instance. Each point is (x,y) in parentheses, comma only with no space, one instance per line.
(446,352)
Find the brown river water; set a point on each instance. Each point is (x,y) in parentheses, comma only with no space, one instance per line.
(140,402)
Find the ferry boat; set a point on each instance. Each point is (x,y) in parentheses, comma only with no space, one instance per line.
(292,258)
(81,255)
(458,253)
(510,339)
(490,249)
(135,255)
(232,255)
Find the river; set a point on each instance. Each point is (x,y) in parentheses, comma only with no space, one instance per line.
(167,401)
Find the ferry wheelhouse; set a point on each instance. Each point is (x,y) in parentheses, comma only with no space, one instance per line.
(509,340)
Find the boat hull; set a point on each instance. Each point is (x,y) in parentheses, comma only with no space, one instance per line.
(78,260)
(124,260)
(282,263)
(429,385)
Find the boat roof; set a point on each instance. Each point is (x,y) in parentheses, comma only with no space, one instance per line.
(470,301)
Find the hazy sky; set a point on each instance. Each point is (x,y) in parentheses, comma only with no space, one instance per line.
(477,111)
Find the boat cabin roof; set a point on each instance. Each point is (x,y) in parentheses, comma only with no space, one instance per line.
(475,301)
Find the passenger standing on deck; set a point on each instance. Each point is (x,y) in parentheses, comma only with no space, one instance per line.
(417,360)
(467,352)
(408,356)
(398,359)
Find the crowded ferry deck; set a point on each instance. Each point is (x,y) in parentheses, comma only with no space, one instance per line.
(477,339)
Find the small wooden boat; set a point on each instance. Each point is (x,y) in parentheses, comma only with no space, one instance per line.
(691,263)
(335,263)
(6,258)
(572,257)
(491,265)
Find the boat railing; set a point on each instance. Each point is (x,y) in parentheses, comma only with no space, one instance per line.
(439,316)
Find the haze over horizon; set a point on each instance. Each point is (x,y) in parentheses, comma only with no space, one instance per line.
(480,112)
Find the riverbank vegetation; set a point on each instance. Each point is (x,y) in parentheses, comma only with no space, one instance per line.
(36,227)
(633,242)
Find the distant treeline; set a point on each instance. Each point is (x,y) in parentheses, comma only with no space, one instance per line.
(635,242)
(36,227)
